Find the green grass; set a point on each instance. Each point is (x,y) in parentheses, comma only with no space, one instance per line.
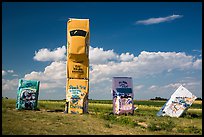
(49,119)
(156,103)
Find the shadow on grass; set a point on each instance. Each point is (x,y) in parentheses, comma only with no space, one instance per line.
(55,110)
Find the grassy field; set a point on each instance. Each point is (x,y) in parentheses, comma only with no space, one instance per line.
(49,119)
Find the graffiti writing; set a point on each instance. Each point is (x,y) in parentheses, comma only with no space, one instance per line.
(123,84)
(28,98)
(178,103)
(77,69)
(185,101)
(77,87)
(27,84)
(75,93)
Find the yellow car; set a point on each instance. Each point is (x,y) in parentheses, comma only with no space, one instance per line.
(77,85)
(78,36)
(78,48)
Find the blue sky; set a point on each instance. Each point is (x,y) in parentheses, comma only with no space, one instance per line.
(159,44)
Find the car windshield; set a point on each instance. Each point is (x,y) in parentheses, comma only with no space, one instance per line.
(78,33)
(124,90)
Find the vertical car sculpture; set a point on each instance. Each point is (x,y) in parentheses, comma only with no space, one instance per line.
(178,103)
(27,94)
(77,85)
(122,90)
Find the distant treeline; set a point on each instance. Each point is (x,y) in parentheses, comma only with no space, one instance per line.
(101,101)
(158,98)
(156,103)
(199,99)
(109,101)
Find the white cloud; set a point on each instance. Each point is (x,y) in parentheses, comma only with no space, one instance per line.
(197,64)
(138,87)
(158,20)
(191,85)
(4,72)
(195,50)
(99,56)
(10,71)
(147,63)
(107,64)
(126,57)
(9,84)
(153,87)
(47,55)
(174,85)
(54,76)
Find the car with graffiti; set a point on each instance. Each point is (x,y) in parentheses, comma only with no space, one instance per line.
(178,103)
(27,94)
(77,84)
(122,91)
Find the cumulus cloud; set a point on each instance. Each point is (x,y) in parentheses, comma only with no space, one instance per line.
(45,54)
(153,87)
(158,20)
(8,85)
(100,56)
(197,64)
(126,57)
(174,85)
(10,71)
(195,50)
(4,72)
(190,84)
(138,87)
(147,63)
(166,90)
(15,75)
(53,76)
(106,64)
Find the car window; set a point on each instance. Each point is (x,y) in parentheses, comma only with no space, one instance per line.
(78,33)
(124,90)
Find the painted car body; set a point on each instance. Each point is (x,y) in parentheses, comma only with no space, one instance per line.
(178,103)
(77,96)
(77,85)
(122,90)
(27,94)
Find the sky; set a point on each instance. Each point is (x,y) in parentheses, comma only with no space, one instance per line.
(158,44)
